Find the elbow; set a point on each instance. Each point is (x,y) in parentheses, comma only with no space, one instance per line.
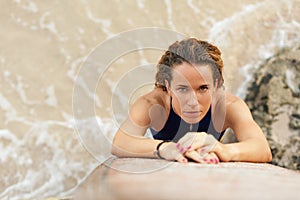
(269,156)
(116,148)
(114,151)
(117,151)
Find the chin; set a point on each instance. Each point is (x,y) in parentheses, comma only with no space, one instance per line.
(192,121)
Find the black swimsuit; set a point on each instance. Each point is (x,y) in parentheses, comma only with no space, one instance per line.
(175,127)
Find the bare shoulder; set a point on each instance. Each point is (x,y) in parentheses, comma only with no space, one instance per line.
(149,107)
(233,101)
(236,109)
(239,119)
(155,97)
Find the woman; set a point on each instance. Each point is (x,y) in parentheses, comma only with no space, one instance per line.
(188,112)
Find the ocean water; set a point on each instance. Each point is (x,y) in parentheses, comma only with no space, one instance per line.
(70,69)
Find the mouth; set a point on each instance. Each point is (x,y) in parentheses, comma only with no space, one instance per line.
(192,114)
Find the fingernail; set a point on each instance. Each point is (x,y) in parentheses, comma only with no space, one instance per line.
(181,150)
(189,147)
(203,150)
(216,160)
(211,160)
(177,145)
(183,160)
(204,159)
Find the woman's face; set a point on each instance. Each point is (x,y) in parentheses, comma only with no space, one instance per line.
(191,91)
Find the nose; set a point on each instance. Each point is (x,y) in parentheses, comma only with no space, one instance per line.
(192,99)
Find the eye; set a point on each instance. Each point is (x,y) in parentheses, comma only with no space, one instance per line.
(203,88)
(182,89)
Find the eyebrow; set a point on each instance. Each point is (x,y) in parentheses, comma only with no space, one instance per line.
(203,85)
(182,85)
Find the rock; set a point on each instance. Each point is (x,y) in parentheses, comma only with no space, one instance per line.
(138,178)
(274,100)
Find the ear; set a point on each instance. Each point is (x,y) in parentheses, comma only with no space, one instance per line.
(168,87)
(217,83)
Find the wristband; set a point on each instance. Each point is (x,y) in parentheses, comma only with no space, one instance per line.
(157,149)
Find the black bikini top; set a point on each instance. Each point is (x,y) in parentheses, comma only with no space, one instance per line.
(175,127)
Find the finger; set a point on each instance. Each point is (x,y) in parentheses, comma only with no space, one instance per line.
(190,137)
(180,158)
(208,145)
(211,158)
(194,155)
(195,140)
(205,141)
(215,157)
(181,148)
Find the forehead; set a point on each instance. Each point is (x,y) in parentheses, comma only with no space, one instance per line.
(186,73)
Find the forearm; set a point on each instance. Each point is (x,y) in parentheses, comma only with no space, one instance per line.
(251,150)
(125,145)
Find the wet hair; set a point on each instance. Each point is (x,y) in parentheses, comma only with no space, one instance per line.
(193,51)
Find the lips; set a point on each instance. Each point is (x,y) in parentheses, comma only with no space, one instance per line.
(191,114)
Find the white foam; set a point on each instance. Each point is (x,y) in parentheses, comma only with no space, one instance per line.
(46,178)
(168,4)
(88,92)
(105,23)
(193,7)
(21,92)
(96,135)
(75,66)
(31,7)
(140,4)
(10,111)
(51,99)
(220,30)
(49,25)
(7,151)
(291,77)
(247,72)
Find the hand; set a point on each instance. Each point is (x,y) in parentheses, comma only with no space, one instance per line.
(223,152)
(208,158)
(196,140)
(194,145)
(169,151)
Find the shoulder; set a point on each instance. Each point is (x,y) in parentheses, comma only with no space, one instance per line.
(232,99)
(237,110)
(149,106)
(233,102)
(156,97)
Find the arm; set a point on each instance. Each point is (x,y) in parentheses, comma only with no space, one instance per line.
(252,145)
(129,140)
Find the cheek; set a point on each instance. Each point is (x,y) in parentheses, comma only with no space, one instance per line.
(204,99)
(177,103)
